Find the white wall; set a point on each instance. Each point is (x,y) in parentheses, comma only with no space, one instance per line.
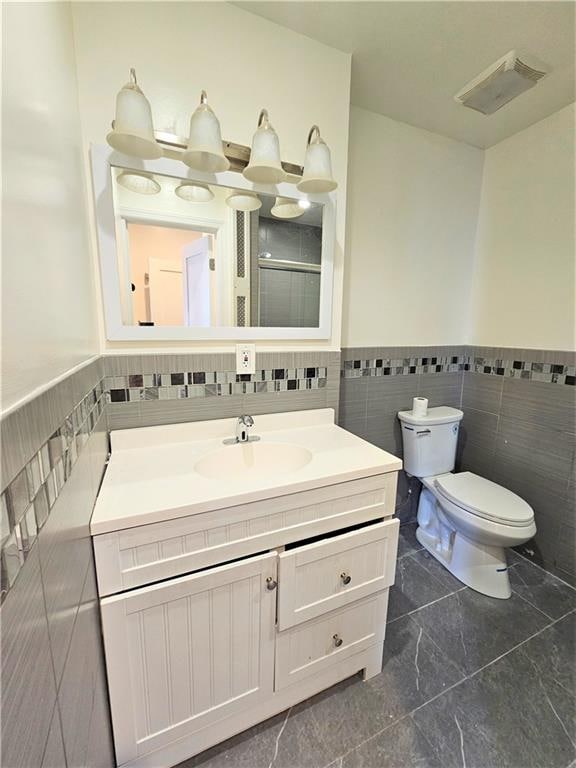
(524,279)
(412,212)
(48,300)
(243,61)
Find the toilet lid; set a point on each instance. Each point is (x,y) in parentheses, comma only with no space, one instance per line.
(485,498)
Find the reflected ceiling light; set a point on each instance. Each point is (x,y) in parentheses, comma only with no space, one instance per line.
(204,151)
(265,166)
(193,192)
(317,177)
(138,181)
(244,201)
(285,208)
(304,204)
(132,130)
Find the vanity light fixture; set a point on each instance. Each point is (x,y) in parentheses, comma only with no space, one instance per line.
(285,208)
(305,204)
(193,192)
(138,181)
(244,201)
(317,177)
(265,166)
(204,151)
(132,130)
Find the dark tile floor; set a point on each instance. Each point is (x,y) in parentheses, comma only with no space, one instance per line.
(467,682)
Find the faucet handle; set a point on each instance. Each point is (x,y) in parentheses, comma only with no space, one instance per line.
(248,421)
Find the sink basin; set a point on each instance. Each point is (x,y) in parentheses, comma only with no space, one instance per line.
(258,457)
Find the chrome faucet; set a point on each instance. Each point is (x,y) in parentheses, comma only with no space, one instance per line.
(243,424)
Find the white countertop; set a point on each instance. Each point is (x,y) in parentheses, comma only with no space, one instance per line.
(151,475)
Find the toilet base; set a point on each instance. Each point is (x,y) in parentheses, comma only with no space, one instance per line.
(479,566)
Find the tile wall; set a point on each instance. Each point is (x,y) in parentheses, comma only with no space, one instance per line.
(54,701)
(145,390)
(518,428)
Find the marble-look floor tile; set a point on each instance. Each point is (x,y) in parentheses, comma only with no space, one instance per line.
(253,748)
(473,629)
(554,652)
(414,669)
(512,714)
(407,541)
(312,735)
(402,745)
(414,587)
(541,589)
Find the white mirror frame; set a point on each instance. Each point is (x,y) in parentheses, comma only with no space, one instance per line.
(103,159)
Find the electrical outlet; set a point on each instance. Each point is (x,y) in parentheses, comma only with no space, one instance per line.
(245,358)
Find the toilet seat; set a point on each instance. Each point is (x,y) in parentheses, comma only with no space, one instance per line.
(484,498)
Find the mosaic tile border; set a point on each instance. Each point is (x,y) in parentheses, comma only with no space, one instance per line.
(352,369)
(550,373)
(27,501)
(190,384)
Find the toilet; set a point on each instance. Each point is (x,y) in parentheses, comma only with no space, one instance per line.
(464,520)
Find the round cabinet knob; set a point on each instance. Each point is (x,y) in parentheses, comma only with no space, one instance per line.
(337,640)
(346,578)
(271,584)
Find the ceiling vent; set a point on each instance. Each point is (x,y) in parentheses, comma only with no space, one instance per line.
(498,84)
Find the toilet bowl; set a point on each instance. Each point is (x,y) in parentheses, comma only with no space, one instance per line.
(465,521)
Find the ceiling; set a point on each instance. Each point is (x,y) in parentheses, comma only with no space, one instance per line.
(410,58)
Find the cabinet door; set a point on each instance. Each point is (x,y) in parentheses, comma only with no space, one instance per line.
(321,577)
(185,653)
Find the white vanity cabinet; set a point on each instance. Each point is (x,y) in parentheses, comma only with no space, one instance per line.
(216,620)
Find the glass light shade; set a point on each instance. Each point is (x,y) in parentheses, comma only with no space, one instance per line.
(244,201)
(136,181)
(285,208)
(317,177)
(204,151)
(193,192)
(265,166)
(133,131)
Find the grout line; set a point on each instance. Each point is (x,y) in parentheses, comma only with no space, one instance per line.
(515,647)
(411,613)
(489,664)
(545,571)
(547,616)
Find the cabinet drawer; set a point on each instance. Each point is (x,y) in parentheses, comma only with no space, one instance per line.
(329,574)
(309,648)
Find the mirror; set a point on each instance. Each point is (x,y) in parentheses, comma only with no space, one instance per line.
(201,256)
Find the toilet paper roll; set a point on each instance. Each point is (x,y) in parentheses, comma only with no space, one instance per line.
(420,406)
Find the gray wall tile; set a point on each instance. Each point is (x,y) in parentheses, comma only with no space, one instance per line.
(54,756)
(551,406)
(85,730)
(482,392)
(28,687)
(65,552)
(40,612)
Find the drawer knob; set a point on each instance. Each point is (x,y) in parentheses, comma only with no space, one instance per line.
(271,583)
(337,640)
(346,578)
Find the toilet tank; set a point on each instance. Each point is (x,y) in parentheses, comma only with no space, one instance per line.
(430,440)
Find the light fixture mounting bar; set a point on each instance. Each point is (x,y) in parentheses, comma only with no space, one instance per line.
(237,154)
